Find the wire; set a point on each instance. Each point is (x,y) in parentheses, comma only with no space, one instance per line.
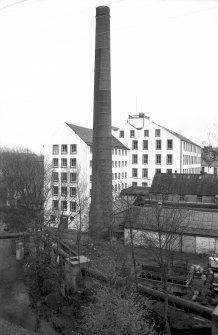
(13,4)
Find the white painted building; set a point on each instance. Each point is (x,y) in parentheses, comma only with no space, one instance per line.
(69,150)
(155,149)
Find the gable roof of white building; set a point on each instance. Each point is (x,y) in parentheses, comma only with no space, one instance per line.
(181,137)
(86,135)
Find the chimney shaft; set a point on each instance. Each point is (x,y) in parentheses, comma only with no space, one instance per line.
(101,197)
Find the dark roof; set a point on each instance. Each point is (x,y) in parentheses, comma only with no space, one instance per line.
(135,191)
(86,135)
(185,184)
(213,164)
(185,139)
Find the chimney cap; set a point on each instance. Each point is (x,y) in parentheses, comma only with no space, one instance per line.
(102,10)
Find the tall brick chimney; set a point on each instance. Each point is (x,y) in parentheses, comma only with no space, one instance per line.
(101,197)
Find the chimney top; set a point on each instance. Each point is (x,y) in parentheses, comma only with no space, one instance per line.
(102,10)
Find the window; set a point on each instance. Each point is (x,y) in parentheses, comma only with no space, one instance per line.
(90,149)
(202,169)
(64,205)
(125,152)
(55,176)
(134,173)
(125,163)
(122,163)
(158,144)
(169,159)
(135,145)
(73,191)
(199,198)
(119,175)
(64,177)
(169,170)
(158,171)
(157,132)
(119,152)
(134,183)
(55,204)
(73,162)
(115,163)
(122,175)
(215,170)
(64,191)
(64,149)
(119,163)
(125,174)
(121,133)
(132,133)
(144,173)
(55,190)
(169,144)
(145,145)
(73,148)
(158,159)
(144,159)
(64,162)
(144,184)
(55,163)
(146,133)
(73,206)
(90,178)
(134,159)
(115,151)
(72,177)
(115,175)
(55,149)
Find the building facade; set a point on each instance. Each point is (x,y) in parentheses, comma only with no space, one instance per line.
(69,151)
(155,149)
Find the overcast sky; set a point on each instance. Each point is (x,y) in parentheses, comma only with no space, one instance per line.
(164,52)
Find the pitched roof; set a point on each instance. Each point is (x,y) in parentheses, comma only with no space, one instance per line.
(183,138)
(185,184)
(86,135)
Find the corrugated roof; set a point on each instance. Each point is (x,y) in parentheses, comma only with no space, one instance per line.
(135,191)
(183,138)
(185,184)
(86,135)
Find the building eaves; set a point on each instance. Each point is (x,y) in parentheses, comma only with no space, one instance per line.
(181,137)
(86,135)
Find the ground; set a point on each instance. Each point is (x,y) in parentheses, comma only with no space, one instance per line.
(14,299)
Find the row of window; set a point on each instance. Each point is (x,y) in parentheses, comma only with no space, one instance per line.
(64,149)
(119,175)
(119,163)
(64,177)
(191,147)
(169,144)
(64,191)
(189,160)
(191,170)
(145,172)
(146,133)
(64,205)
(119,187)
(64,162)
(158,159)
(119,152)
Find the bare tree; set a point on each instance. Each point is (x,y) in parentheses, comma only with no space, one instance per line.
(159,227)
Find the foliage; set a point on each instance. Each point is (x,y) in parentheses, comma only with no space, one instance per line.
(115,313)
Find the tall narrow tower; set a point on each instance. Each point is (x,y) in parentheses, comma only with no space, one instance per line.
(101,197)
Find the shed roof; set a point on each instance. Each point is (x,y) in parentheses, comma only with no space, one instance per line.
(185,184)
(86,135)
